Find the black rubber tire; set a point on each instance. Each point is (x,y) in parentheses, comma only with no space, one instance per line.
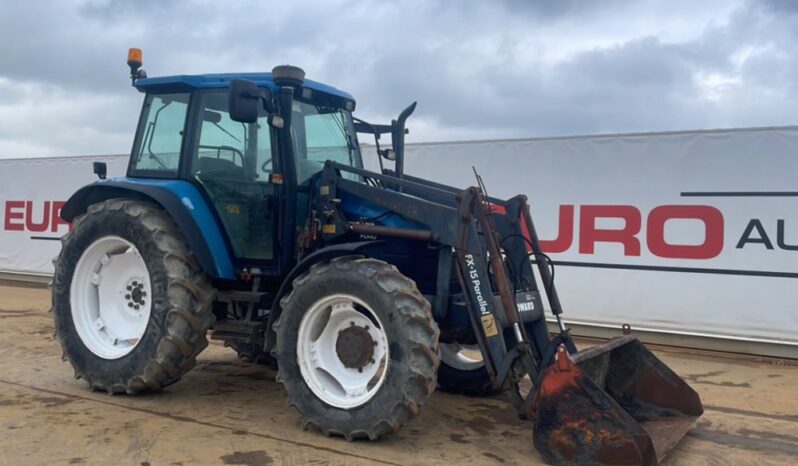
(475,382)
(181,299)
(412,338)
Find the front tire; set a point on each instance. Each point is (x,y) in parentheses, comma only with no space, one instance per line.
(130,303)
(356,347)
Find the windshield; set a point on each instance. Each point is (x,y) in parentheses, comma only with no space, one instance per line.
(321,134)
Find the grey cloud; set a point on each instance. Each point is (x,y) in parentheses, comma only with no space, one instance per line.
(478,69)
(644,84)
(782,6)
(555,9)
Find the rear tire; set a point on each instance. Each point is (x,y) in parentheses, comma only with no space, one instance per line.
(176,303)
(463,375)
(329,321)
(468,375)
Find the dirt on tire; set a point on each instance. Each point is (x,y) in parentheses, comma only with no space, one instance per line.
(412,336)
(181,299)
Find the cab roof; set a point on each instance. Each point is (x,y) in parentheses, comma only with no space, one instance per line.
(186,83)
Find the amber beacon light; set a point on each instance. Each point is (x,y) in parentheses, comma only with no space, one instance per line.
(134,61)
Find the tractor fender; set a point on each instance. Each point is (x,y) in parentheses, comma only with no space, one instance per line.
(323,254)
(184,203)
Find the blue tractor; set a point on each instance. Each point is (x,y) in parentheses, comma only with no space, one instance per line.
(246,215)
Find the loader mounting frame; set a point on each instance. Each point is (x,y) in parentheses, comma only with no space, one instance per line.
(615,403)
(466,221)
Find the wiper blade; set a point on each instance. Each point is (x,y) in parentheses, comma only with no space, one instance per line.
(150,132)
(225,131)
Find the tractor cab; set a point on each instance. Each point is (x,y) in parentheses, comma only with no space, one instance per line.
(254,173)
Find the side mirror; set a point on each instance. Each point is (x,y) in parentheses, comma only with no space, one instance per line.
(100,169)
(244,98)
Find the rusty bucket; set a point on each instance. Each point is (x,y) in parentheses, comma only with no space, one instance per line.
(612,404)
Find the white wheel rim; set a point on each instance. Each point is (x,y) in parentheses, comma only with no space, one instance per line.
(319,362)
(461,357)
(110,316)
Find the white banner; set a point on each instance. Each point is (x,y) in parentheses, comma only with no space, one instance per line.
(32,192)
(689,232)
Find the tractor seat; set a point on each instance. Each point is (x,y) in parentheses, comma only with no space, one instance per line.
(220,167)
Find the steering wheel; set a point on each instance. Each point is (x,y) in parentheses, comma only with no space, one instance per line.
(219,150)
(264,164)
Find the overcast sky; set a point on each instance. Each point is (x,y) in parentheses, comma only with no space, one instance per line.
(479,69)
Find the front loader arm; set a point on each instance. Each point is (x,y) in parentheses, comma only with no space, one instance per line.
(461,220)
(615,403)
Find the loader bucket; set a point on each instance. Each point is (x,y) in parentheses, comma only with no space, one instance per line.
(612,404)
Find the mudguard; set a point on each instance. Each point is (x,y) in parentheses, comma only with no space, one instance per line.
(184,203)
(330,252)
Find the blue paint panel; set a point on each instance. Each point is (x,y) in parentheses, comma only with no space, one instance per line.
(195,204)
(184,83)
(356,208)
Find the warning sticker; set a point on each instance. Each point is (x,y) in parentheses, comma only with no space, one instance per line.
(489,325)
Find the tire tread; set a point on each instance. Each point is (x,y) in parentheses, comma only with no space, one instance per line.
(421,332)
(179,345)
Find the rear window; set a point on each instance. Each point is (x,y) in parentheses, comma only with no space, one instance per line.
(161,134)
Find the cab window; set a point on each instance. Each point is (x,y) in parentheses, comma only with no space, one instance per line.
(232,161)
(229,148)
(161,134)
(320,134)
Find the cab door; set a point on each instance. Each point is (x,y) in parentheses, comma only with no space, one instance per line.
(233,162)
